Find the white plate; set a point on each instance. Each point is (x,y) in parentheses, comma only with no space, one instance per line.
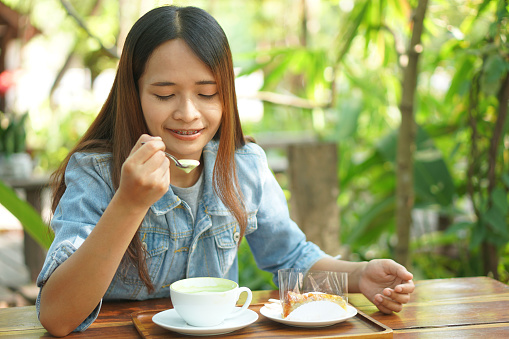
(276,316)
(170,320)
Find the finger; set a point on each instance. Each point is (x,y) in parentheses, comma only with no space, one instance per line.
(387,305)
(152,173)
(157,162)
(405,287)
(401,298)
(397,270)
(141,140)
(146,138)
(403,273)
(144,163)
(149,148)
(164,171)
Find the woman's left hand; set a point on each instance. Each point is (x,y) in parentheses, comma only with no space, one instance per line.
(386,284)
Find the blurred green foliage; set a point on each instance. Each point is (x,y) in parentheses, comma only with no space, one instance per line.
(249,274)
(12,133)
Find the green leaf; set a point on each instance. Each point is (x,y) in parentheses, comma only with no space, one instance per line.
(499,200)
(348,113)
(432,179)
(274,76)
(462,78)
(373,222)
(27,215)
(497,220)
(354,171)
(345,40)
(494,71)
(478,235)
(482,7)
(456,227)
(494,68)
(505,179)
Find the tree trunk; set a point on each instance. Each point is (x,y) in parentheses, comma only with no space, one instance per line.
(490,254)
(314,185)
(406,141)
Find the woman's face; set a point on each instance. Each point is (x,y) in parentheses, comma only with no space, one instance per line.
(179,99)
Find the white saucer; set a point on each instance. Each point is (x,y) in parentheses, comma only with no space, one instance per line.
(276,316)
(170,320)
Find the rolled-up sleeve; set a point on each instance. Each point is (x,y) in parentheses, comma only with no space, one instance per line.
(88,192)
(278,242)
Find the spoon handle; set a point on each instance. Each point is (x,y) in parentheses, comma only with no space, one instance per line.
(175,160)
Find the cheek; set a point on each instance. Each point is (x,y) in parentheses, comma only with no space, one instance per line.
(151,112)
(215,118)
(211,112)
(216,113)
(150,106)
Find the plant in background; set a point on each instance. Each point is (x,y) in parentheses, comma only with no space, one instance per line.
(31,220)
(13,158)
(12,133)
(249,273)
(15,162)
(480,90)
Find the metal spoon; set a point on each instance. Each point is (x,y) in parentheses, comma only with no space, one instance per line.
(187,165)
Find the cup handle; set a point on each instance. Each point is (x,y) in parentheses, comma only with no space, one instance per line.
(246,304)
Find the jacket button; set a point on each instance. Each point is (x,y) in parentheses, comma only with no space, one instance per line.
(236,236)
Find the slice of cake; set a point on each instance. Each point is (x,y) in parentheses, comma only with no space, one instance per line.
(294,300)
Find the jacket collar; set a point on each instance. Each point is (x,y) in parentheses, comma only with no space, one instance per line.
(213,204)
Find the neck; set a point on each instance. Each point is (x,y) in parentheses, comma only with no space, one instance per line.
(180,178)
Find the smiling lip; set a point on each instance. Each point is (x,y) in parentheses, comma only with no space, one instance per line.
(185,131)
(186,134)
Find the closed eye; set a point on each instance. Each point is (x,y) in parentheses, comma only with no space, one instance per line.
(164,97)
(207,96)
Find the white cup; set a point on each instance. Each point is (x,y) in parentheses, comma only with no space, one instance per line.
(207,301)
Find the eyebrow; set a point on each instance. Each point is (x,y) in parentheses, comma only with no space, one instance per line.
(169,83)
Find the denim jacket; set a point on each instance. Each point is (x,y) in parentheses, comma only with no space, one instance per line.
(177,246)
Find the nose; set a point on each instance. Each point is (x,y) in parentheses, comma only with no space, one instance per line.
(186,110)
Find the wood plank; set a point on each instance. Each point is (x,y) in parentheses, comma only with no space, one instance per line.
(419,315)
(446,289)
(500,330)
(446,302)
(19,318)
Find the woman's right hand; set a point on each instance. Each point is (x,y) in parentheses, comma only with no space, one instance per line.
(145,175)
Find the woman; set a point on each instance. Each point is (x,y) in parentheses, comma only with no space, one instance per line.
(128,223)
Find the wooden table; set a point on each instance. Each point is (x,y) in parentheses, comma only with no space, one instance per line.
(443,308)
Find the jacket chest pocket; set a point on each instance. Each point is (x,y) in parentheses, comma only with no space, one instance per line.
(155,245)
(226,238)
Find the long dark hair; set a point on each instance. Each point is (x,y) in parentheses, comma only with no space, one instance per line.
(120,122)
